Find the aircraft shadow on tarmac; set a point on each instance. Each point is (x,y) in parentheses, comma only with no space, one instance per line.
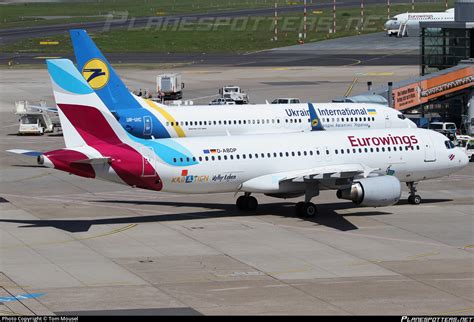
(327,214)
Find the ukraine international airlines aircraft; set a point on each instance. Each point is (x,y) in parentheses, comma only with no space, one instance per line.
(147,119)
(399,24)
(363,166)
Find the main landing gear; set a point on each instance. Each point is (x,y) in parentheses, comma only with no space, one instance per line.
(247,202)
(305,209)
(414,199)
(308,209)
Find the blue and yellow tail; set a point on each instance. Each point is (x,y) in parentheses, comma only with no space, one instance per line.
(100,75)
(314,118)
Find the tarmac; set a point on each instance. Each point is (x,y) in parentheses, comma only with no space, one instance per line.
(384,51)
(9,35)
(72,246)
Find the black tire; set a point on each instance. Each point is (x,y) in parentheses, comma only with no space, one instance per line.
(251,203)
(309,210)
(416,200)
(299,209)
(241,203)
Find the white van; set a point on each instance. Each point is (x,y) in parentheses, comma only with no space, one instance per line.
(466,143)
(222,101)
(446,128)
(286,101)
(443,127)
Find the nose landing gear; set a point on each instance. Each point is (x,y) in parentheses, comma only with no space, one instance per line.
(414,199)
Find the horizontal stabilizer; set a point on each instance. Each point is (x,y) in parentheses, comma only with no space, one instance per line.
(28,153)
(94,161)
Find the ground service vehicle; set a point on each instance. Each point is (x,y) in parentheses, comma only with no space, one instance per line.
(169,86)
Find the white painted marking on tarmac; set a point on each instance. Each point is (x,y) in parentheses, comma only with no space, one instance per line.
(340,282)
(276,285)
(230,289)
(11,125)
(451,279)
(357,62)
(454,312)
(255,52)
(203,97)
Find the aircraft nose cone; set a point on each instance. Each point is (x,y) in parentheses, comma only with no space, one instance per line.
(463,158)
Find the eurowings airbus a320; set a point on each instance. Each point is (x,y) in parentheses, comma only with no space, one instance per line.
(400,24)
(363,166)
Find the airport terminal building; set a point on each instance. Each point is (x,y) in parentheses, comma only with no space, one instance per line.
(444,91)
(445,44)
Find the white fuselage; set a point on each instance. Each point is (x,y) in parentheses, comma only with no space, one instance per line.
(412,20)
(409,154)
(210,120)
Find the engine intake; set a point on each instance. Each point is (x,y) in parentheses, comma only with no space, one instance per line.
(373,192)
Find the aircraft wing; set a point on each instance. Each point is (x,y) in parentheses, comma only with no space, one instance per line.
(271,182)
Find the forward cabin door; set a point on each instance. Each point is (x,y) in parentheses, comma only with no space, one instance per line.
(430,152)
(388,123)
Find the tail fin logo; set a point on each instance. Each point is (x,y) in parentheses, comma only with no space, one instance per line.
(96,73)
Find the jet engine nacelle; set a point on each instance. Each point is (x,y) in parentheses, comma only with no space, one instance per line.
(373,192)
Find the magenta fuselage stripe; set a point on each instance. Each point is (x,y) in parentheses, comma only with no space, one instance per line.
(96,131)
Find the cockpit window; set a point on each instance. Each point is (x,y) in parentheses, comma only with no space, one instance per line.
(401,116)
(449,145)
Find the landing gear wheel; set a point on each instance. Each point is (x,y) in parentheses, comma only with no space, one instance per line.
(305,209)
(247,203)
(309,210)
(299,209)
(252,203)
(241,203)
(414,200)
